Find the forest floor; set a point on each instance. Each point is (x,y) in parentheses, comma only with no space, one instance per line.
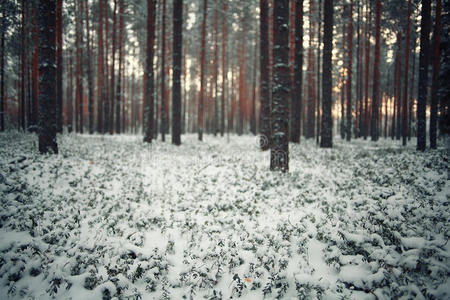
(112,217)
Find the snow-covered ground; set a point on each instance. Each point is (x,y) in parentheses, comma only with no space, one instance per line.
(112,217)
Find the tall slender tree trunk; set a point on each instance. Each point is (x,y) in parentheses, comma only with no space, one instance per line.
(22,67)
(348,127)
(176,86)
(118,101)
(399,88)
(423,74)
(202,72)
(224,69)
(359,106)
(326,132)
(265,95)
(89,73)
(163,72)
(112,96)
(366,79)
(79,72)
(318,98)
(47,69)
(149,75)
(70,94)
(435,79)
(279,152)
(376,75)
(100,70)
(253,104)
(311,108)
(216,68)
(411,91)
(106,82)
(405,92)
(35,71)
(2,68)
(297,94)
(59,66)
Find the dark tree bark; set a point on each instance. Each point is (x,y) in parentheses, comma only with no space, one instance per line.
(176,86)
(297,94)
(59,66)
(2,67)
(47,69)
(366,77)
(435,78)
(216,68)
(118,101)
(224,69)
(279,154)
(327,121)
(311,107)
(149,75)
(202,72)
(405,91)
(89,73)
(318,100)
(423,74)
(70,95)
(359,106)
(348,127)
(265,95)
(22,67)
(163,72)
(112,97)
(79,70)
(100,70)
(253,104)
(34,107)
(376,76)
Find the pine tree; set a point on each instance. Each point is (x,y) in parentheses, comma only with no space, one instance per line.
(265,94)
(279,152)
(47,70)
(435,78)
(376,75)
(297,94)
(202,72)
(327,121)
(176,86)
(423,74)
(149,75)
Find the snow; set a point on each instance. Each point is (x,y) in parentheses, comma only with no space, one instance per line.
(111,217)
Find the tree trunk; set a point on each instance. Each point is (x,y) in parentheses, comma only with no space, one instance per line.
(297,94)
(202,72)
(327,120)
(22,67)
(89,74)
(376,75)
(366,79)
(176,86)
(119,76)
(224,70)
(163,72)
(149,75)
(35,72)
(405,92)
(59,66)
(311,108)
(2,68)
(318,72)
(435,79)
(100,70)
(79,72)
(348,127)
(265,95)
(279,154)
(112,97)
(70,95)
(423,74)
(47,70)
